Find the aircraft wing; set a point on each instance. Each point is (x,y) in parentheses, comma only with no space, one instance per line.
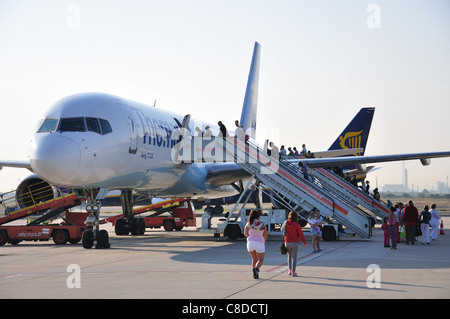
(339,161)
(226,173)
(16,164)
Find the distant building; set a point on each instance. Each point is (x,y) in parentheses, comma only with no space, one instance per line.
(442,188)
(395,188)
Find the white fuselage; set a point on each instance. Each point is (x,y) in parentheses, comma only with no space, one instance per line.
(135,153)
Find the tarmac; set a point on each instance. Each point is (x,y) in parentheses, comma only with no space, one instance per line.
(193,265)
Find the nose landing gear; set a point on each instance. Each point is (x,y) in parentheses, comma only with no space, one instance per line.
(94,233)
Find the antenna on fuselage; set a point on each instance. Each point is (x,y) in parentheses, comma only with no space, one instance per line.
(154,103)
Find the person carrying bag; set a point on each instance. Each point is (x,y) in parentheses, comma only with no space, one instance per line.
(292,235)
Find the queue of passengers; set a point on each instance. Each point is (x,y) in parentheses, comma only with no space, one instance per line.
(405,223)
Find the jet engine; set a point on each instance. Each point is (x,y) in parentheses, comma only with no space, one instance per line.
(33,190)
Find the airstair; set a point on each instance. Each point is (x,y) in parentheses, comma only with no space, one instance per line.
(286,181)
(352,194)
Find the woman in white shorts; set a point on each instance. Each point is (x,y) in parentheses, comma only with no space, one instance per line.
(256,234)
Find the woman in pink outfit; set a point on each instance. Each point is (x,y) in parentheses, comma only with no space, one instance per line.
(392,220)
(256,234)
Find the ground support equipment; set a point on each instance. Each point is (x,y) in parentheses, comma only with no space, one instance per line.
(70,230)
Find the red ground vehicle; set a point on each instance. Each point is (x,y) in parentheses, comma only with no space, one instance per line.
(70,230)
(61,233)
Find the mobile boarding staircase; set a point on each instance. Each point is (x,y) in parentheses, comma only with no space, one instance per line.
(286,181)
(349,192)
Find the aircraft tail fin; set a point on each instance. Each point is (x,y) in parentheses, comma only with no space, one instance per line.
(249,109)
(356,133)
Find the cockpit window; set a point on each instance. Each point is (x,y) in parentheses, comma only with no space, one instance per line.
(48,125)
(92,125)
(106,128)
(74,124)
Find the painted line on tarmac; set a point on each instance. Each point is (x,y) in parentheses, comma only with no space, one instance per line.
(313,255)
(283,268)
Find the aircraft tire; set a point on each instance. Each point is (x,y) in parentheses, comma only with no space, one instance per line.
(87,239)
(120,228)
(102,240)
(141,226)
(137,226)
(133,226)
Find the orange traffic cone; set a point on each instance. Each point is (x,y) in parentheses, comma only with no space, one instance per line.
(441,231)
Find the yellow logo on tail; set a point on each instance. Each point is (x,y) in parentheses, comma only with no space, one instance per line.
(350,140)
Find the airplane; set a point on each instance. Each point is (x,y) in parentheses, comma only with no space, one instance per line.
(360,124)
(97,142)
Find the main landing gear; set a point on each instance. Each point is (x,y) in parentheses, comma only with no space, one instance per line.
(94,233)
(129,224)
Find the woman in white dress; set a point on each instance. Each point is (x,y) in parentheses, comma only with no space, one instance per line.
(434,222)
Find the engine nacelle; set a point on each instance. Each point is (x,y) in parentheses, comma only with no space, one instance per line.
(33,190)
(425,161)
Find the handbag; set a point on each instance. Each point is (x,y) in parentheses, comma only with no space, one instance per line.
(282,247)
(418,231)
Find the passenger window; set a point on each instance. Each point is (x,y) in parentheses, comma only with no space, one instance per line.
(92,125)
(106,128)
(48,125)
(75,124)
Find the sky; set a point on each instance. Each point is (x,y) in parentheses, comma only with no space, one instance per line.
(321,61)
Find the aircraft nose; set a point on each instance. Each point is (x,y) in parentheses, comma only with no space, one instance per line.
(55,158)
